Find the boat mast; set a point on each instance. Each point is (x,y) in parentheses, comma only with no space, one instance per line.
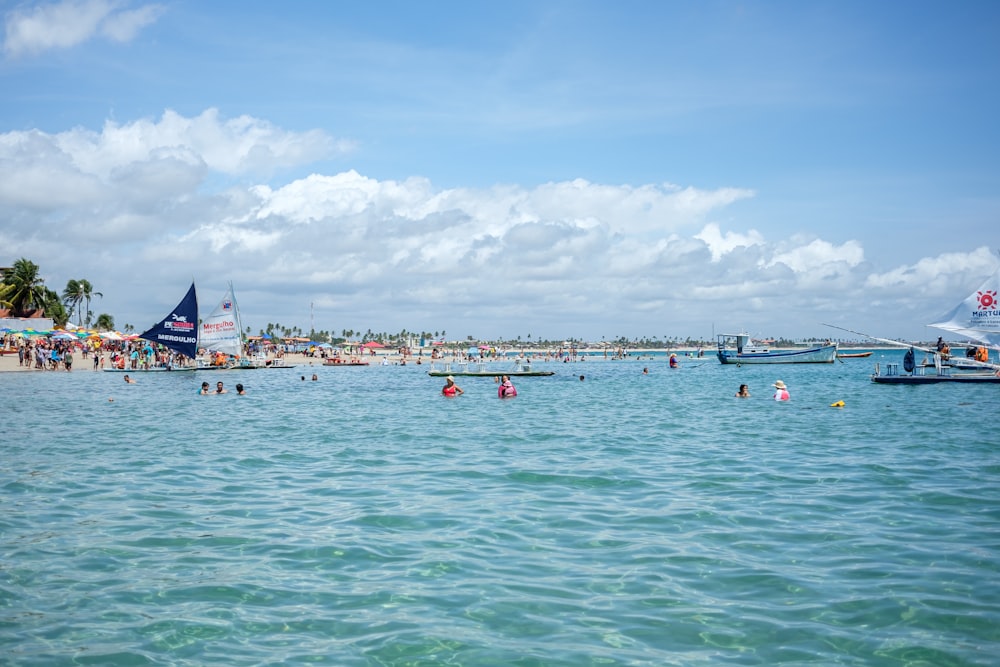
(236,318)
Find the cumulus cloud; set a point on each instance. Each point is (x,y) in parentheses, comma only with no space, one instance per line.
(572,258)
(146,160)
(720,244)
(62,25)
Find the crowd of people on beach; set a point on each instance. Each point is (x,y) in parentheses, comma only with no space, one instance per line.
(49,353)
(45,354)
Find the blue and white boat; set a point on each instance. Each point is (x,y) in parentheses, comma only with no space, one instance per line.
(740,349)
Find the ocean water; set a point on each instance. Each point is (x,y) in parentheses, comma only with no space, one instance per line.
(627,519)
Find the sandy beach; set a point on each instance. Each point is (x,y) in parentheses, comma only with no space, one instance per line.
(9,364)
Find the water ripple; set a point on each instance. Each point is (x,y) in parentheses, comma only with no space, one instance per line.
(624,520)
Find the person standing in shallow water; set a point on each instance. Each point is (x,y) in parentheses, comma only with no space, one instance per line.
(450,388)
(744,392)
(506,388)
(781,391)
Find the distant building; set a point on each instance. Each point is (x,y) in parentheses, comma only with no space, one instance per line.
(36,321)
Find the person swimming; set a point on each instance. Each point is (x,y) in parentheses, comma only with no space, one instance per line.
(744,392)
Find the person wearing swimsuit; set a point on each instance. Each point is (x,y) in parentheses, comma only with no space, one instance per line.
(450,388)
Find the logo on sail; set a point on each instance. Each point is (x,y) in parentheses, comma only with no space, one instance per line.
(178,323)
(987,299)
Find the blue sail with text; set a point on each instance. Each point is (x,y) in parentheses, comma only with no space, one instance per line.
(178,330)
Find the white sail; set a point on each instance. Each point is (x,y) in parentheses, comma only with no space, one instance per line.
(222,331)
(978,316)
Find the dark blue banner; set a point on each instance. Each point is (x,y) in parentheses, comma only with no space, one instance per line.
(178,330)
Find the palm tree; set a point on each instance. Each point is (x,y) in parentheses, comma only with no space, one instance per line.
(24,290)
(105,322)
(78,293)
(53,307)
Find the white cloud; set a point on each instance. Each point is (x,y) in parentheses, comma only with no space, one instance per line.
(123,26)
(571,258)
(146,160)
(62,25)
(720,244)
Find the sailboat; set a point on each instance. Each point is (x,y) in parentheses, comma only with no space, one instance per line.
(221,335)
(177,331)
(976,318)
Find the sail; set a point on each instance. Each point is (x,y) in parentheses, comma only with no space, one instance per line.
(221,331)
(178,330)
(978,316)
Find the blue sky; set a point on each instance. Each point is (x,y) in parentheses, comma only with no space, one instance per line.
(498,169)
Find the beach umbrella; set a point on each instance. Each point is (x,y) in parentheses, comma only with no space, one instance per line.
(373,343)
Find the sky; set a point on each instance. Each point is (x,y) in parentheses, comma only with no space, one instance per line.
(534,169)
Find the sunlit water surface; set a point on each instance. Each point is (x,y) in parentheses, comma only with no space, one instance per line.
(626,519)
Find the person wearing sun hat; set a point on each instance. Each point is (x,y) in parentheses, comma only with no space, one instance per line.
(450,388)
(780,391)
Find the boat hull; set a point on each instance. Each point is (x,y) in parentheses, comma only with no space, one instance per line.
(825,354)
(175,369)
(930,375)
(967,378)
(853,355)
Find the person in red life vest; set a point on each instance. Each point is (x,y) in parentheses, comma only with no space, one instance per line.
(673,361)
(780,391)
(450,388)
(506,388)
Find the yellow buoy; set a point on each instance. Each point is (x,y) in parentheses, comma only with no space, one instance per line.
(838,404)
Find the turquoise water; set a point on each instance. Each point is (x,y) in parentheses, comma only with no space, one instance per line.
(363,519)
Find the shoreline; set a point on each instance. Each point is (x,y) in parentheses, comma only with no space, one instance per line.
(9,363)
